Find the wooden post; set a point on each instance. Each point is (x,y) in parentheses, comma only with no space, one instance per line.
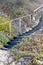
(30,19)
(10,28)
(20,31)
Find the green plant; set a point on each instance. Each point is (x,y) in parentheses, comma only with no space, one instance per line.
(19,3)
(17,12)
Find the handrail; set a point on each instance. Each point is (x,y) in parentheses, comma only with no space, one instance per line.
(20,17)
(38,8)
(14,19)
(4,23)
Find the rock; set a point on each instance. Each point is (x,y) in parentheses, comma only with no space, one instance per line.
(5,57)
(1,63)
(13,63)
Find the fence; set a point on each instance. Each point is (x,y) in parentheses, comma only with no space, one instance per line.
(22,24)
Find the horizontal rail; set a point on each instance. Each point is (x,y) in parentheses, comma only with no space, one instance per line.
(5,23)
(38,8)
(20,17)
(14,19)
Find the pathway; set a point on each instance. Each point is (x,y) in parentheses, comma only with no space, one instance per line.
(17,39)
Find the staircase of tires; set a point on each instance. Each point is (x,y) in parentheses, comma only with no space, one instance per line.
(16,40)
